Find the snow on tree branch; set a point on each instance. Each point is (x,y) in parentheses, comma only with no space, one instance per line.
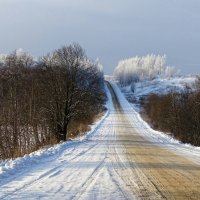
(143,68)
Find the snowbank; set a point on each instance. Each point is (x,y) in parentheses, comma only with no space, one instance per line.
(13,166)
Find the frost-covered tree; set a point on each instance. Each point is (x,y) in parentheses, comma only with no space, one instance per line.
(143,68)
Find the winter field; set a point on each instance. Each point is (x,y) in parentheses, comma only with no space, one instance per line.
(121,158)
(158,86)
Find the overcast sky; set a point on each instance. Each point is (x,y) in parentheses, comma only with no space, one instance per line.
(108,29)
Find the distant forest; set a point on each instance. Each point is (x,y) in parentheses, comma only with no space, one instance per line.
(47,100)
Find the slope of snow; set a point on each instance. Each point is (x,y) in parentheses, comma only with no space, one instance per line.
(157,86)
(158,137)
(11,167)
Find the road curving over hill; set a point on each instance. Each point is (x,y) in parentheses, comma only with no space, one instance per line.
(116,161)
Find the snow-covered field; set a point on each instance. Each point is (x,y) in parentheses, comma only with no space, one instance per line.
(97,166)
(158,86)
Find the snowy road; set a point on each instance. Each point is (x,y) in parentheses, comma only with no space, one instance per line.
(119,160)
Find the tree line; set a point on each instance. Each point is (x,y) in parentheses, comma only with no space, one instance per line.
(177,113)
(46,101)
